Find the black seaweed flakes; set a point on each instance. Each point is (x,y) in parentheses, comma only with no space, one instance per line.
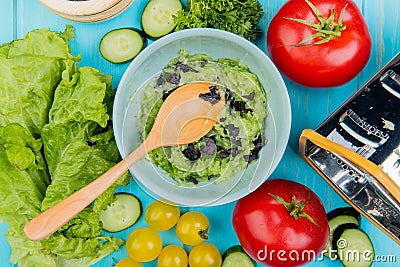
(203,63)
(234,151)
(161,80)
(228,95)
(258,144)
(236,142)
(249,96)
(237,105)
(250,158)
(213,96)
(191,152)
(209,148)
(224,154)
(232,130)
(193,180)
(229,152)
(185,67)
(173,78)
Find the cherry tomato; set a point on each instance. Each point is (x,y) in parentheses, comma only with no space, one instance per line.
(143,245)
(205,255)
(281,216)
(128,262)
(328,60)
(161,216)
(172,256)
(192,228)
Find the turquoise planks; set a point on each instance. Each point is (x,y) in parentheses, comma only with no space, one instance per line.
(8,16)
(309,108)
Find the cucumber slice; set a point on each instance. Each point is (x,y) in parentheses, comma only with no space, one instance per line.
(124,212)
(122,45)
(157,17)
(235,256)
(336,218)
(344,211)
(353,245)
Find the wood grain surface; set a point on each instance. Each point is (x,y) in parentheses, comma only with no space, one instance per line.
(309,108)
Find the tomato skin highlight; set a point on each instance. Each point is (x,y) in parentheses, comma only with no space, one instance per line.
(326,65)
(264,227)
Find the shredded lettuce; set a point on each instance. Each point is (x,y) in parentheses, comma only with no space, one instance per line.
(55,138)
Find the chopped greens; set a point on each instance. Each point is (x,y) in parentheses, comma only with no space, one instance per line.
(237,138)
(238,16)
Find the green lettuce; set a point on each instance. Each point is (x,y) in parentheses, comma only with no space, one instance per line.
(30,71)
(55,138)
(23,181)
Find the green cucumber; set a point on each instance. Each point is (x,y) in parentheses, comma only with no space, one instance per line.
(122,45)
(157,17)
(354,247)
(336,218)
(350,211)
(235,256)
(124,212)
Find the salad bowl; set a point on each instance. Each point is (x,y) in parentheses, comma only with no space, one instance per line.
(216,44)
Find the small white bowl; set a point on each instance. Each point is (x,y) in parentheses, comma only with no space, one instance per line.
(217,44)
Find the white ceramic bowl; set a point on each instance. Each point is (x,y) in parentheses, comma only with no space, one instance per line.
(217,44)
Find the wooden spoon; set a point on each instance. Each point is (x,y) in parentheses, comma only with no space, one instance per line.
(182,119)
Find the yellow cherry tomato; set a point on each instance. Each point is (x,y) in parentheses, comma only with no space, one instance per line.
(192,228)
(205,255)
(128,262)
(172,256)
(143,245)
(161,215)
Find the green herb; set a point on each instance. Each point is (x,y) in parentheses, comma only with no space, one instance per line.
(238,16)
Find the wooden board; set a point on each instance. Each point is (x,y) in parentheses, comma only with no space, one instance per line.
(107,14)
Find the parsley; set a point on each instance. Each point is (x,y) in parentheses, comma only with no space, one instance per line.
(237,16)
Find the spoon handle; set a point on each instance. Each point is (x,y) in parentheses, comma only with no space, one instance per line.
(55,217)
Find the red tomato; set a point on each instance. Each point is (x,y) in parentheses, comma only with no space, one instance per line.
(334,61)
(270,234)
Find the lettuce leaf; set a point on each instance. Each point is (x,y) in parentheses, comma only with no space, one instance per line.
(24,179)
(79,146)
(79,96)
(55,137)
(44,43)
(30,71)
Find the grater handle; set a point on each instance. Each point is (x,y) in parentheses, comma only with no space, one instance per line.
(351,156)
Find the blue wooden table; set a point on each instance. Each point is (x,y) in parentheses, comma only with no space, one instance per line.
(309,107)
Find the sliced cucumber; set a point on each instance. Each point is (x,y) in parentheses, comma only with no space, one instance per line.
(336,218)
(124,212)
(344,211)
(235,256)
(122,45)
(157,17)
(353,246)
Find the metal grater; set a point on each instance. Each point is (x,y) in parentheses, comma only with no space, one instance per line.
(368,123)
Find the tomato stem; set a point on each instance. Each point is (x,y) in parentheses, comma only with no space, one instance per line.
(203,233)
(295,208)
(327,29)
